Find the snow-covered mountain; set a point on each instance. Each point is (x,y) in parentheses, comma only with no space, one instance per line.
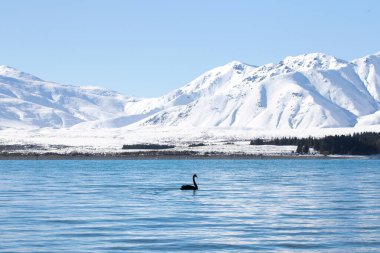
(306,91)
(29,102)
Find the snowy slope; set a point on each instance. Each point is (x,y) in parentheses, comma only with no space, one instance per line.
(29,102)
(368,70)
(306,91)
(313,90)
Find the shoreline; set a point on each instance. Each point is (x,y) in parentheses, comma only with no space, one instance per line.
(168,156)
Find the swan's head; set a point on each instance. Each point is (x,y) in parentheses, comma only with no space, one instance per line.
(195,175)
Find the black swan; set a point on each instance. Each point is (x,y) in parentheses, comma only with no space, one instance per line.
(191,187)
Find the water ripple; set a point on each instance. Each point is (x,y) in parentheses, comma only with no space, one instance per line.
(242,206)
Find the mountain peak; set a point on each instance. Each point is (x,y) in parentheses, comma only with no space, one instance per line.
(238,64)
(368,58)
(15,73)
(313,61)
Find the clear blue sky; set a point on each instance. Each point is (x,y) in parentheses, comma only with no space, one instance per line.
(147,48)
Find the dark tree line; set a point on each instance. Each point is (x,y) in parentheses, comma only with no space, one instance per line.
(356,144)
(147,146)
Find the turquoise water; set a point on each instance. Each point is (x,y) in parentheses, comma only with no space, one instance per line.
(242,206)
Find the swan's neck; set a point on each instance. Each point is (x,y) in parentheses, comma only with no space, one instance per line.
(195,184)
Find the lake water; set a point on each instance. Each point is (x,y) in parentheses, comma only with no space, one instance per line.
(242,206)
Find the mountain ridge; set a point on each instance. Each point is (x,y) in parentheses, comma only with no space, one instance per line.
(313,90)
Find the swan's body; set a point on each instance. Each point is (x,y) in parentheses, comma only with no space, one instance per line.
(191,187)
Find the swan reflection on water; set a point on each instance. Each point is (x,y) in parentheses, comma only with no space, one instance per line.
(191,187)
